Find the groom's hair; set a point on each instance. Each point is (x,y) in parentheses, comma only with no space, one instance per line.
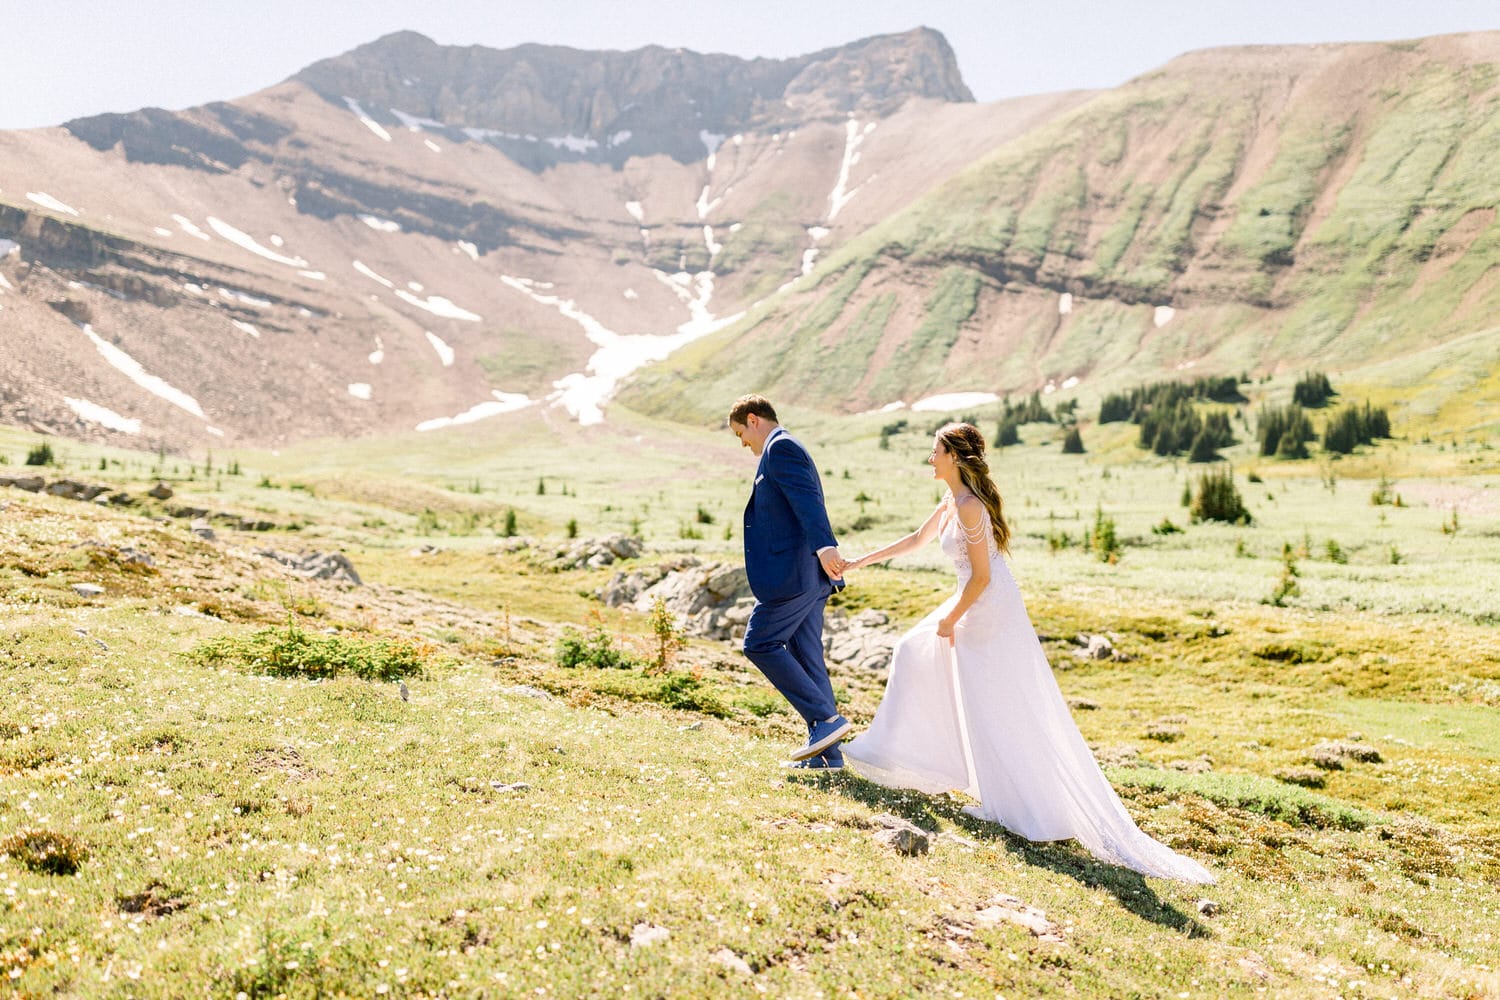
(746,405)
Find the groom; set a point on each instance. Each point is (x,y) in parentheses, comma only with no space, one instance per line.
(793,563)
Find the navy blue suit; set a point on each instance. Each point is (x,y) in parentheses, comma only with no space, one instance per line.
(785,526)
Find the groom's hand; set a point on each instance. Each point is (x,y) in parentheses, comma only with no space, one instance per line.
(833,563)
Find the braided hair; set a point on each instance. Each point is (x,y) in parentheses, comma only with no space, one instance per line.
(966,445)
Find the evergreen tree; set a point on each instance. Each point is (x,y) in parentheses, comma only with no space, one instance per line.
(1313,390)
(1204,449)
(1073,442)
(1218,499)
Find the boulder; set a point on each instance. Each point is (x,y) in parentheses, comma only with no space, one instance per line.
(316,565)
(713,601)
(74,490)
(583,553)
(161,491)
(31,484)
(864,641)
(901,836)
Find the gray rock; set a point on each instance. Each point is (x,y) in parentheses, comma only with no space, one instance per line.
(1208,908)
(316,565)
(527,691)
(731,961)
(901,836)
(161,491)
(87,589)
(74,490)
(129,555)
(643,935)
(625,547)
(713,601)
(587,552)
(201,528)
(31,484)
(1010,910)
(1332,755)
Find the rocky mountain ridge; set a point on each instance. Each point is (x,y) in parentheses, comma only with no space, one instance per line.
(414,235)
(1262,210)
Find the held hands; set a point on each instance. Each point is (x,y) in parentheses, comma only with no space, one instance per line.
(833,564)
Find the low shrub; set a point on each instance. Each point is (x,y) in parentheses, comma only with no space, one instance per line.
(40,455)
(292,652)
(594,648)
(686,692)
(1293,805)
(45,851)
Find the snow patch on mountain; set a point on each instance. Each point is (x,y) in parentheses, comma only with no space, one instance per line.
(244,298)
(438,306)
(366,120)
(380,225)
(363,269)
(583,394)
(103,416)
(574,143)
(504,402)
(247,242)
(444,352)
(133,370)
(841,194)
(186,225)
(45,200)
(953,401)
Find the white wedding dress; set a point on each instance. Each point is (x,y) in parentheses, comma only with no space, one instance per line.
(985,715)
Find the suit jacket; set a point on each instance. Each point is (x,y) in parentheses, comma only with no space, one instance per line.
(785,522)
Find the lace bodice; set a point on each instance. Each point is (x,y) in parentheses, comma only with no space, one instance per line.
(955,537)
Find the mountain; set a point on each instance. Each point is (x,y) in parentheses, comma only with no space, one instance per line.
(410,233)
(1260,210)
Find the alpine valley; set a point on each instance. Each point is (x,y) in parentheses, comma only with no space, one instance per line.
(410,235)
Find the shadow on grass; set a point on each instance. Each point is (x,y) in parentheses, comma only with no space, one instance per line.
(930,812)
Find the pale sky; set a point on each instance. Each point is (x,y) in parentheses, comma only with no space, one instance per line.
(72,58)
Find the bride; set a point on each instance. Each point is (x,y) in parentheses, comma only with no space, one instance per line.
(971,702)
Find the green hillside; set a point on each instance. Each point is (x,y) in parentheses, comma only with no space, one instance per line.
(1324,207)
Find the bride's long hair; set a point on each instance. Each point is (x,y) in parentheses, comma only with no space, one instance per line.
(966,445)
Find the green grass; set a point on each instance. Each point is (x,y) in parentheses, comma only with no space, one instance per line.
(246,832)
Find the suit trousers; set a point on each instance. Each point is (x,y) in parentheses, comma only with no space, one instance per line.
(784,639)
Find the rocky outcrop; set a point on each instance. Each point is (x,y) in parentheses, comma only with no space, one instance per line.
(316,565)
(544,104)
(713,601)
(864,641)
(580,553)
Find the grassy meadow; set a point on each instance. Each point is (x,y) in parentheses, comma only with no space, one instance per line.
(213,785)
